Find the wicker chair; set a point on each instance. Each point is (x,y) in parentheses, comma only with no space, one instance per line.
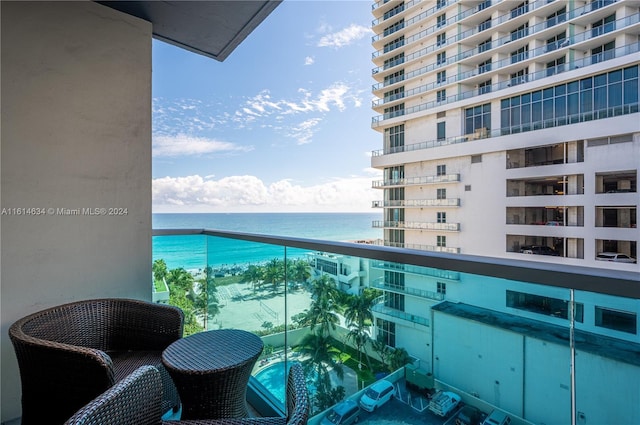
(136,400)
(70,354)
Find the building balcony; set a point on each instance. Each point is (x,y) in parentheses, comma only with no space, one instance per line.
(565,314)
(416,181)
(471,79)
(418,203)
(385,286)
(417,225)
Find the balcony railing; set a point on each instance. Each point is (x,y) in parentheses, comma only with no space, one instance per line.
(417,225)
(412,181)
(562,313)
(580,63)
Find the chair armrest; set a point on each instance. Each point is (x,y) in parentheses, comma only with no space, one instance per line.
(136,400)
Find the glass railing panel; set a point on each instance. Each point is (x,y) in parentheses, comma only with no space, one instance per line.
(544,344)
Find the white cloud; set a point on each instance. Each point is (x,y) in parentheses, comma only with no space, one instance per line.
(309,60)
(184,145)
(344,37)
(250,194)
(304,131)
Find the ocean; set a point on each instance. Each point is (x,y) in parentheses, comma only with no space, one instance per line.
(197,252)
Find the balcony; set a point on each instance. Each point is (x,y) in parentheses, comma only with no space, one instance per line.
(565,314)
(417,225)
(414,181)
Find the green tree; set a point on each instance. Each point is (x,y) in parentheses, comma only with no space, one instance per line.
(359,319)
(322,358)
(159,269)
(274,273)
(399,357)
(384,351)
(300,271)
(253,275)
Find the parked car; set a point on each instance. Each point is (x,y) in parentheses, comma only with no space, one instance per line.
(616,257)
(443,402)
(538,250)
(497,417)
(344,413)
(377,395)
(469,415)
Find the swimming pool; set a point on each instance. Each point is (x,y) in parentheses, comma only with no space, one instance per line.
(272,378)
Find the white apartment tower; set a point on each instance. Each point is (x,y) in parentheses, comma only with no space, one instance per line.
(509,126)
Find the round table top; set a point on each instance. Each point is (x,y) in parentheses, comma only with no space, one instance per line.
(212,350)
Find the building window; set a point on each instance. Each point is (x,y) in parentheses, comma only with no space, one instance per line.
(394,78)
(394,111)
(441,58)
(441,241)
(484,66)
(393,28)
(441,20)
(485,25)
(548,306)
(394,94)
(441,39)
(595,97)
(395,301)
(394,136)
(399,8)
(467,188)
(441,77)
(617,320)
(394,44)
(441,194)
(475,159)
(520,32)
(484,46)
(441,130)
(557,41)
(557,17)
(394,279)
(441,170)
(520,9)
(520,54)
(519,77)
(603,26)
(484,87)
(556,66)
(603,53)
(440,4)
(441,216)
(386,332)
(396,60)
(442,288)
(477,118)
(327,266)
(441,95)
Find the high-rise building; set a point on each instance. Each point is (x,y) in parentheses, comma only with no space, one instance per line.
(509,127)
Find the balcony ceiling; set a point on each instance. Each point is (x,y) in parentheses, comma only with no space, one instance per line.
(210,28)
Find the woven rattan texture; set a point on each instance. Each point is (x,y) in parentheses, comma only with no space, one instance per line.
(70,354)
(211,371)
(136,400)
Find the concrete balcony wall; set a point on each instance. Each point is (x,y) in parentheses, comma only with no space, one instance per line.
(76,134)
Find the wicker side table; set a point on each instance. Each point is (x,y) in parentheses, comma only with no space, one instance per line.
(211,371)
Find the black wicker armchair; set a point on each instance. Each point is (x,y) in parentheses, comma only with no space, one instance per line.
(70,354)
(136,400)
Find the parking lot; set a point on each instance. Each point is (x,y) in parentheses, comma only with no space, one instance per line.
(395,412)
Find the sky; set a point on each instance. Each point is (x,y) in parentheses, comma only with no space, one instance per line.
(282,125)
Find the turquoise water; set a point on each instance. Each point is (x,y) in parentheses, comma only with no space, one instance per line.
(196,252)
(272,378)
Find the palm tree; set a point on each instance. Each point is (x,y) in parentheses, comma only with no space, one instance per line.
(383,350)
(322,358)
(300,271)
(274,273)
(159,269)
(399,358)
(321,314)
(359,319)
(253,274)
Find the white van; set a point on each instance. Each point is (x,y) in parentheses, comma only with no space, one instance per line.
(343,413)
(377,395)
(497,417)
